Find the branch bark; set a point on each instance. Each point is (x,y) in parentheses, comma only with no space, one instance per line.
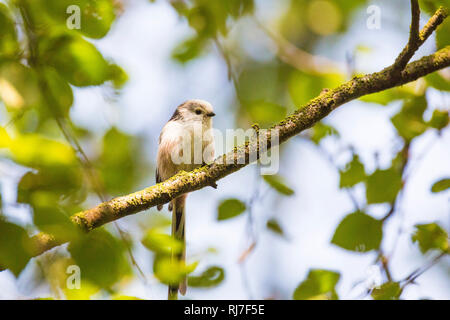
(314,111)
(416,38)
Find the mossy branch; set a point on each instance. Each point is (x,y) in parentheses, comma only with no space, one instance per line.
(416,38)
(314,111)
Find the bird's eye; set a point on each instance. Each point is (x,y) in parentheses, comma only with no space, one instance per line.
(198,111)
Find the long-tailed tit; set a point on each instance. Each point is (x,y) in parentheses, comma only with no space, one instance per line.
(186,142)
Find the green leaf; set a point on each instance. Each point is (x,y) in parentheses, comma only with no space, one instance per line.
(431,237)
(34,150)
(260,82)
(230,208)
(211,277)
(387,96)
(437,81)
(101,258)
(383,186)
(387,291)
(443,34)
(409,121)
(439,120)
(77,60)
(358,232)
(277,183)
(53,221)
(189,49)
(120,165)
(274,226)
(96,17)
(304,87)
(118,76)
(19,88)
(60,93)
(319,285)
(15,247)
(265,113)
(321,131)
(86,291)
(161,243)
(353,174)
(171,271)
(431,6)
(441,185)
(50,186)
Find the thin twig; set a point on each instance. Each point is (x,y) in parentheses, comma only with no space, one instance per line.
(298,58)
(231,73)
(416,38)
(421,270)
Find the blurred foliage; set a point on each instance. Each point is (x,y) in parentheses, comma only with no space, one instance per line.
(443,34)
(164,246)
(274,226)
(321,131)
(303,86)
(318,285)
(441,185)
(383,186)
(409,121)
(171,271)
(439,119)
(277,183)
(305,21)
(121,163)
(353,173)
(230,208)
(209,19)
(97,16)
(431,237)
(211,277)
(96,252)
(387,291)
(437,81)
(387,96)
(41,58)
(161,243)
(430,6)
(358,232)
(43,63)
(9,46)
(15,247)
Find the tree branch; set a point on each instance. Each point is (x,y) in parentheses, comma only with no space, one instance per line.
(304,118)
(416,38)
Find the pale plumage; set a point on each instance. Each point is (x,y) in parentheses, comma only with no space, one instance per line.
(186,142)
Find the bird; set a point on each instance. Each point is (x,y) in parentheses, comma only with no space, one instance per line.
(186,142)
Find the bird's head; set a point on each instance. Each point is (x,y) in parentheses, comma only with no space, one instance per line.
(194,110)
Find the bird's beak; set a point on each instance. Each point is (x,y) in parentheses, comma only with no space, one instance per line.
(211,114)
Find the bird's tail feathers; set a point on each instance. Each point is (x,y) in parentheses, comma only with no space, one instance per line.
(178,232)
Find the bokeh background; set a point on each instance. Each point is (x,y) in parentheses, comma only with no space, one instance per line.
(81,112)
